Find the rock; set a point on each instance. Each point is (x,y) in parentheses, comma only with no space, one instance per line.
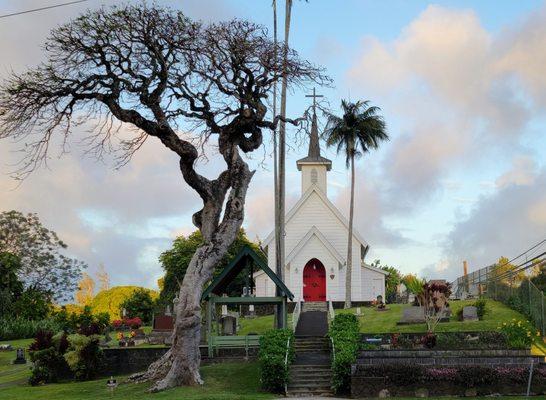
(470,313)
(383,394)
(423,392)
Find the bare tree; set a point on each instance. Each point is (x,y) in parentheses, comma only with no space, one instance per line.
(155,70)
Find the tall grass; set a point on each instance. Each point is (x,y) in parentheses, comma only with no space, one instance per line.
(20,328)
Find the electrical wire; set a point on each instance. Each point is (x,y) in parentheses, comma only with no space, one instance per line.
(42,8)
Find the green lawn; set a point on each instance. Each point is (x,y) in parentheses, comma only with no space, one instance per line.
(372,321)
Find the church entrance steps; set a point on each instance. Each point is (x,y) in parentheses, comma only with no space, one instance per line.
(310,374)
(312,323)
(315,306)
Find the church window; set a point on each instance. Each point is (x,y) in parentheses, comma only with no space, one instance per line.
(314,176)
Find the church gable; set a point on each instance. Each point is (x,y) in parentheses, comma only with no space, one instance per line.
(315,209)
(316,238)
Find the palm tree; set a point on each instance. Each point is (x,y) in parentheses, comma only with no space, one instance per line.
(358,131)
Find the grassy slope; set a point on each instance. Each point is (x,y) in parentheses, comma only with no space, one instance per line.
(373,321)
(384,322)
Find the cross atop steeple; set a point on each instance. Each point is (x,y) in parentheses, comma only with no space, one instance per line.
(314,96)
(314,144)
(313,156)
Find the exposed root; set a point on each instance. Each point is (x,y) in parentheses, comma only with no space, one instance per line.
(156,371)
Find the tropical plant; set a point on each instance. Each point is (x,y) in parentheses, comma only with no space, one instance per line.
(519,334)
(84,356)
(415,286)
(140,304)
(359,130)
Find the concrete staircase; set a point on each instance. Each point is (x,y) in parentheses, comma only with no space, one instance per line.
(315,306)
(310,374)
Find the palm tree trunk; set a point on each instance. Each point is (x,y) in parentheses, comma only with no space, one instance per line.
(282,152)
(349,270)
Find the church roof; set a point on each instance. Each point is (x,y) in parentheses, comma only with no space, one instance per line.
(314,232)
(328,204)
(313,155)
(236,265)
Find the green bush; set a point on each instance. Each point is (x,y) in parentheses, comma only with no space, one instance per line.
(20,328)
(110,300)
(345,333)
(139,304)
(273,370)
(49,364)
(84,322)
(481,306)
(519,334)
(84,356)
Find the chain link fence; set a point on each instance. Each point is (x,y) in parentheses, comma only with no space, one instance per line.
(519,294)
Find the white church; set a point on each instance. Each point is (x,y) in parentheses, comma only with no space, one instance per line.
(316,243)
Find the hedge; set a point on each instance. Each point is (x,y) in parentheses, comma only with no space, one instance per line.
(344,331)
(273,370)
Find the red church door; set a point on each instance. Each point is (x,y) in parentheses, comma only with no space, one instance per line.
(314,281)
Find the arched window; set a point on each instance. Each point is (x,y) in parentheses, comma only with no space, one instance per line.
(314,176)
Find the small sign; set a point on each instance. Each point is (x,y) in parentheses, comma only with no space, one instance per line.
(112,383)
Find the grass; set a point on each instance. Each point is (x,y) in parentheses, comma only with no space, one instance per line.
(373,321)
(222,382)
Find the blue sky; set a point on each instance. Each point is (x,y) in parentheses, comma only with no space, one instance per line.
(462,91)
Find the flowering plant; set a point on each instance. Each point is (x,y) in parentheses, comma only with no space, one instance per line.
(132,334)
(117,323)
(120,336)
(519,334)
(133,323)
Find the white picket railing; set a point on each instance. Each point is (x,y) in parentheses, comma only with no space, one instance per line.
(286,364)
(296,315)
(331,312)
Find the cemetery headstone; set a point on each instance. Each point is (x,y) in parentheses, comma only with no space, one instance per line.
(229,325)
(6,347)
(413,315)
(20,359)
(470,313)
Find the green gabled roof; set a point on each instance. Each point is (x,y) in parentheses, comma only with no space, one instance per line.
(236,265)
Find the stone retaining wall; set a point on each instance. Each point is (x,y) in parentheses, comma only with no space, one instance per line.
(447,357)
(135,359)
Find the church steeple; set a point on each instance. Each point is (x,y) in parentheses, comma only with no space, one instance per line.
(314,166)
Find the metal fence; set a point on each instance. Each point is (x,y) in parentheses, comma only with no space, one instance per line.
(521,295)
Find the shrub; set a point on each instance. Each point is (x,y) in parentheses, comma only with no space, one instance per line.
(481,306)
(84,356)
(273,370)
(139,305)
(20,328)
(83,322)
(519,334)
(429,340)
(133,323)
(344,331)
(46,354)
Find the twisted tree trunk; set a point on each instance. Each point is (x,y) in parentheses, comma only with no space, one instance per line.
(180,365)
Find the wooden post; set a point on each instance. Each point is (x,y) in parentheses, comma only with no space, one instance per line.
(543,324)
(284,313)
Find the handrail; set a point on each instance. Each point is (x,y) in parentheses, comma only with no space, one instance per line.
(296,315)
(333,350)
(286,365)
(331,312)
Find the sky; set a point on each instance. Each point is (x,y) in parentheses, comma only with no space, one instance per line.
(461,86)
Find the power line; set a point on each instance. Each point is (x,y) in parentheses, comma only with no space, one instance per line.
(465,277)
(42,8)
